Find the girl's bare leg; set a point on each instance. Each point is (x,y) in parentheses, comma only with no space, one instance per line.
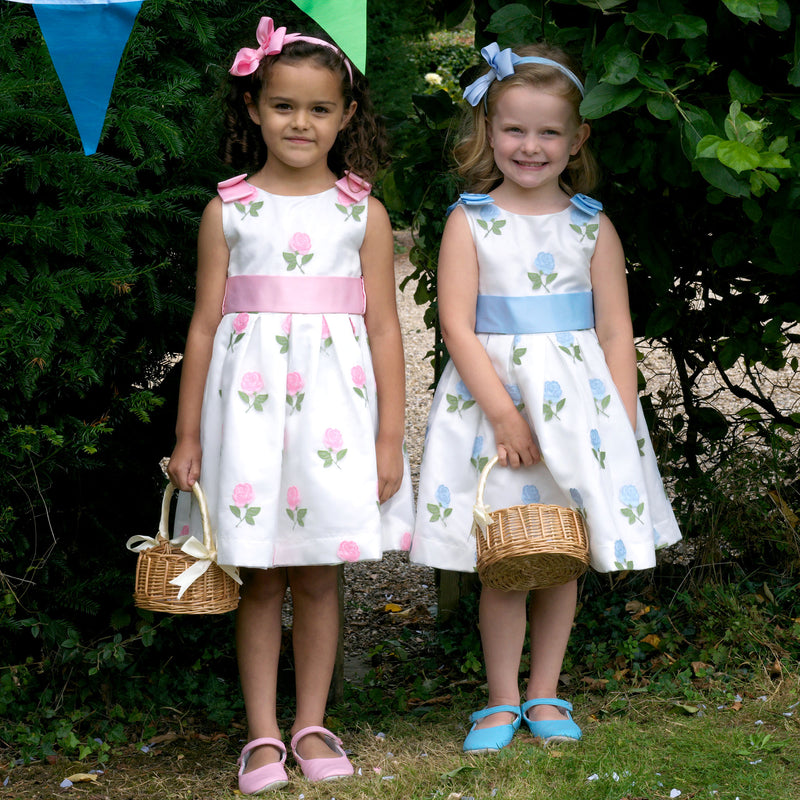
(502,626)
(552,612)
(315,637)
(258,642)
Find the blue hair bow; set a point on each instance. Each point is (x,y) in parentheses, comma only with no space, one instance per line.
(501,65)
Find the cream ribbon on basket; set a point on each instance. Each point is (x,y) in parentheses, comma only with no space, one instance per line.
(205,558)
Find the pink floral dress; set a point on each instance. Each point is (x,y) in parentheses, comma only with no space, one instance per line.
(289,412)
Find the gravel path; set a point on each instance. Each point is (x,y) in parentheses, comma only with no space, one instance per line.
(371,586)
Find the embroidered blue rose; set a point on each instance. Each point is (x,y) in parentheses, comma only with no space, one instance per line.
(620,550)
(597,451)
(621,556)
(530,494)
(544,272)
(515,394)
(545,263)
(461,401)
(633,507)
(477,446)
(578,500)
(553,401)
(601,398)
(657,539)
(489,212)
(440,510)
(462,390)
(565,338)
(490,219)
(478,461)
(566,342)
(552,391)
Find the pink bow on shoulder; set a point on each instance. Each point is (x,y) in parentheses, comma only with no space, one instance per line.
(270,40)
(352,189)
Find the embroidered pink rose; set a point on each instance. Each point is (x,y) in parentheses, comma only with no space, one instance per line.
(296,514)
(300,243)
(252,382)
(348,551)
(326,335)
(335,450)
(359,377)
(243,494)
(333,439)
(286,327)
(359,382)
(239,327)
(185,530)
(299,252)
(405,542)
(294,383)
(294,393)
(250,391)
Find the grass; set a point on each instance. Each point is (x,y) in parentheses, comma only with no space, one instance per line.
(647,748)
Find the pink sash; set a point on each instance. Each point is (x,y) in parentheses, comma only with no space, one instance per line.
(294,295)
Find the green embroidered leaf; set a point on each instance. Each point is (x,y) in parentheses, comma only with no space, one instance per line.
(235,511)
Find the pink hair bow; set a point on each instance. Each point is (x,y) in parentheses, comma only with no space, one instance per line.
(270,40)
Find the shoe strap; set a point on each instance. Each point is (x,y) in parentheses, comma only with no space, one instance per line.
(485,712)
(546,701)
(250,746)
(314,729)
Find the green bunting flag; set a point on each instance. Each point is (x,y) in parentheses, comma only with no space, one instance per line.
(345,21)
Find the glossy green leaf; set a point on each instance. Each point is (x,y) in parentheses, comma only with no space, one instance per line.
(605,99)
(621,65)
(743,89)
(738,156)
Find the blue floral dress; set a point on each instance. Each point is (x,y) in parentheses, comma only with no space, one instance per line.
(534,277)
(289,412)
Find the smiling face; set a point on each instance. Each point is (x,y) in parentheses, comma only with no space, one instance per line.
(533,134)
(300,112)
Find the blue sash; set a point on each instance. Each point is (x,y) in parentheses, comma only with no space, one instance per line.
(571,311)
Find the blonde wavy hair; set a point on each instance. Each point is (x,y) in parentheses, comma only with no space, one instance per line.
(473,153)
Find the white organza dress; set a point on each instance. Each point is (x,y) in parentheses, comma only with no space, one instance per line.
(289,412)
(534,275)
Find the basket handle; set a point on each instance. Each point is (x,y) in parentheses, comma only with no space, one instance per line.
(481,513)
(199,495)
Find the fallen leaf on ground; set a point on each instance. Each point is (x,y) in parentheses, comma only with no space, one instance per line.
(82,777)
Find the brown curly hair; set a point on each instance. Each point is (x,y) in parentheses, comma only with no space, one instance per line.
(361,145)
(474,156)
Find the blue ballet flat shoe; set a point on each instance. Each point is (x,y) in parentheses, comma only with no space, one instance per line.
(552,730)
(490,740)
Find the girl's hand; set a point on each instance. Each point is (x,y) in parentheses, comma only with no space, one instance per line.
(515,444)
(389,456)
(184,465)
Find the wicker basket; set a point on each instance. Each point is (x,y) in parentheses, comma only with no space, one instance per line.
(528,546)
(215,591)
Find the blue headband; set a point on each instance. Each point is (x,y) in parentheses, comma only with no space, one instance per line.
(502,63)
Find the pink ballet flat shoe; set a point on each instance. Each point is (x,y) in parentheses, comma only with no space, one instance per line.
(322,769)
(266,778)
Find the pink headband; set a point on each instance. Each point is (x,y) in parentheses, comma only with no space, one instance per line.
(271,41)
